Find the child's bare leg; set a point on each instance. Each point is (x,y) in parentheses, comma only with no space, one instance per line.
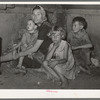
(88,59)
(84,70)
(20,62)
(52,72)
(86,66)
(63,79)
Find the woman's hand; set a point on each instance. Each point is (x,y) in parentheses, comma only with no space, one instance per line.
(52,64)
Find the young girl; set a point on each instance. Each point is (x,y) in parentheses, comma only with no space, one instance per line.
(28,39)
(81,44)
(59,61)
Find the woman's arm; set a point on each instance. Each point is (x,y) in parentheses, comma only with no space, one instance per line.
(30,50)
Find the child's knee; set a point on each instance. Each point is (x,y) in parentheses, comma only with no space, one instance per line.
(58,69)
(45,63)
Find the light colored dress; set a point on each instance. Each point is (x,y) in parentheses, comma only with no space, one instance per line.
(68,68)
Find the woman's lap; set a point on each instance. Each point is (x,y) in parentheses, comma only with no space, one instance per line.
(30,63)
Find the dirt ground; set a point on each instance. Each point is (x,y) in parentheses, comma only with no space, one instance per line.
(37,80)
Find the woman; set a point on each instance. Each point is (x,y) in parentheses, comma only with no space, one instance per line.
(42,43)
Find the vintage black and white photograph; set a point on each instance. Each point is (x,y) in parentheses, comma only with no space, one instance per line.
(49,46)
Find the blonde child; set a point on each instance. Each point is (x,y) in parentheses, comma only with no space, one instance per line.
(59,61)
(28,40)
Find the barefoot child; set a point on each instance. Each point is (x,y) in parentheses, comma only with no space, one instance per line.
(81,44)
(28,39)
(59,61)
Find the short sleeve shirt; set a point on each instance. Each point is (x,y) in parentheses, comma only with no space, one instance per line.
(44,29)
(76,40)
(29,39)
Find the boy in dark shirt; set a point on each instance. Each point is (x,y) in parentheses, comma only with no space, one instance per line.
(81,44)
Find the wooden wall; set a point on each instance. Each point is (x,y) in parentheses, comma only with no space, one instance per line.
(12,19)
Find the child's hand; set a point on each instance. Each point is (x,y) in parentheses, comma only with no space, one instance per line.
(74,48)
(30,56)
(56,45)
(15,55)
(52,64)
(14,46)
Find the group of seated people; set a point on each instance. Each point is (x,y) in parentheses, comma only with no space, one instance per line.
(45,47)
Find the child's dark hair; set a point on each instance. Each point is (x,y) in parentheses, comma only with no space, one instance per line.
(81,20)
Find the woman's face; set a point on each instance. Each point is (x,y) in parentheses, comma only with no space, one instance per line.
(31,25)
(37,16)
(76,26)
(56,36)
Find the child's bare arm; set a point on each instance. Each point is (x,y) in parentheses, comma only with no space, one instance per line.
(60,61)
(65,56)
(87,43)
(52,64)
(51,52)
(18,45)
(82,46)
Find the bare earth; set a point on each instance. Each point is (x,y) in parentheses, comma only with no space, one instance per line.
(37,80)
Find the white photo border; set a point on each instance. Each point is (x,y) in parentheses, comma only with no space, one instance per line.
(37,93)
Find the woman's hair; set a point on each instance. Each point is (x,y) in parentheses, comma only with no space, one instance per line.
(57,28)
(43,12)
(80,20)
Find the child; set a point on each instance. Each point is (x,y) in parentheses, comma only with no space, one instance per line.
(81,44)
(41,45)
(28,39)
(59,61)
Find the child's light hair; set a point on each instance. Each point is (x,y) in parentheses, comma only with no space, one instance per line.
(42,11)
(57,28)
